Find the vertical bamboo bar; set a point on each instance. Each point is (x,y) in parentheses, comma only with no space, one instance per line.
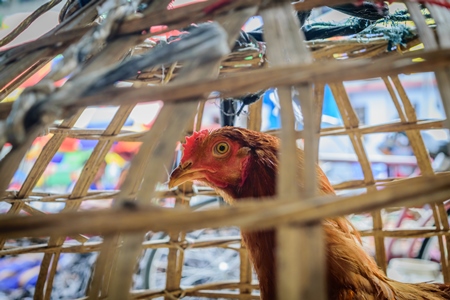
(442,19)
(254,115)
(172,283)
(80,189)
(444,225)
(175,258)
(425,33)
(199,119)
(441,16)
(416,140)
(120,285)
(351,120)
(424,164)
(305,279)
(180,115)
(103,263)
(37,170)
(311,130)
(245,274)
(319,93)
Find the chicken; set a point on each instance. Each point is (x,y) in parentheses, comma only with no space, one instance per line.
(240,163)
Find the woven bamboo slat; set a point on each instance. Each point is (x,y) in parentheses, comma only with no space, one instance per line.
(183,82)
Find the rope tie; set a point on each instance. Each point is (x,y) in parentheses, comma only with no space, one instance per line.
(178,245)
(172,296)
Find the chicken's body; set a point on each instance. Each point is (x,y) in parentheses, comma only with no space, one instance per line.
(239,163)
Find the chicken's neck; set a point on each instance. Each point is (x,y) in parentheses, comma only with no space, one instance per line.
(259,182)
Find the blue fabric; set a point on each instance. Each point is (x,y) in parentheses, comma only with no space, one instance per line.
(274,118)
(330,107)
(17,267)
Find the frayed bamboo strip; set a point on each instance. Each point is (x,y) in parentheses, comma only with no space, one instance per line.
(322,49)
(155,18)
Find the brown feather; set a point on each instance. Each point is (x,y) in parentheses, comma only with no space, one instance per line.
(352,274)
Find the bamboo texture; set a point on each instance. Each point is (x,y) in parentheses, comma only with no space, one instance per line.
(285,61)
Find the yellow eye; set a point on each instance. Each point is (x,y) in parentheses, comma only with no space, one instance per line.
(221,148)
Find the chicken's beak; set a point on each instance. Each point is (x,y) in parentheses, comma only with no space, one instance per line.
(183,174)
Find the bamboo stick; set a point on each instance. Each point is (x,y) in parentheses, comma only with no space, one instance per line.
(250,215)
(351,120)
(238,84)
(285,45)
(161,155)
(124,135)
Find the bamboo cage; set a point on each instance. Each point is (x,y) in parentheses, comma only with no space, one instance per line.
(100,51)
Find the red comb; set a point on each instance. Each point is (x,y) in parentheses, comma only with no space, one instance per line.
(192,142)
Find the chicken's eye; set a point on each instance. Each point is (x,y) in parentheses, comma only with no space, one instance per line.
(221,148)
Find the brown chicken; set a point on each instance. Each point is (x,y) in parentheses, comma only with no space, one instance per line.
(240,163)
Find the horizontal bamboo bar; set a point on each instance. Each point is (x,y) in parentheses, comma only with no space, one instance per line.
(293,74)
(379,128)
(424,232)
(69,247)
(131,136)
(310,4)
(249,214)
(190,291)
(222,242)
(208,290)
(107,195)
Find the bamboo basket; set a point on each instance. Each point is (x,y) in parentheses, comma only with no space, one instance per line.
(93,54)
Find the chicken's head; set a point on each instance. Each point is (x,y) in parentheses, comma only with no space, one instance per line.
(214,158)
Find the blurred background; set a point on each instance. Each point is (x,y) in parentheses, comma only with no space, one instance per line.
(390,154)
